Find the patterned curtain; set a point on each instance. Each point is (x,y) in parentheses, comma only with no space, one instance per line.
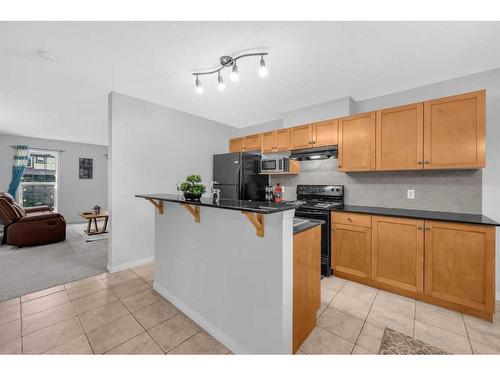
(19,165)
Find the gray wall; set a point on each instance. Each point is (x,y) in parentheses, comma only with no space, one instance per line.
(151,149)
(319,112)
(75,195)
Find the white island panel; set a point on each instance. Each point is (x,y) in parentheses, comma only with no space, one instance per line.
(235,285)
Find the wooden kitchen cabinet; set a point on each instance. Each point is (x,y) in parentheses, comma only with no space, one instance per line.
(319,134)
(283,139)
(325,133)
(400,138)
(460,264)
(276,141)
(269,141)
(357,142)
(252,142)
(236,144)
(454,132)
(301,136)
(398,253)
(351,250)
(306,283)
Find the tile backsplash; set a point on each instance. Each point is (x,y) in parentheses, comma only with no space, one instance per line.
(446,190)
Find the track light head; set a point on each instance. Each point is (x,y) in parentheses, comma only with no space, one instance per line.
(221,86)
(262,69)
(199,87)
(235,77)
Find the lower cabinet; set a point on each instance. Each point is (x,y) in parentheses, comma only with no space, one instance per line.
(306,283)
(444,263)
(351,253)
(398,252)
(460,264)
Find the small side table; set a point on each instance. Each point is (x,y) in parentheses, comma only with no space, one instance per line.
(93,216)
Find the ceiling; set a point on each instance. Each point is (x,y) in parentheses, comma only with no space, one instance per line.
(308,62)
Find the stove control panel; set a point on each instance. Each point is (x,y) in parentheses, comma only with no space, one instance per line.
(328,190)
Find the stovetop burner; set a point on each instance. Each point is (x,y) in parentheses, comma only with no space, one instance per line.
(319,197)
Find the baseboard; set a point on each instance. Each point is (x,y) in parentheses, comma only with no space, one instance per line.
(135,263)
(201,321)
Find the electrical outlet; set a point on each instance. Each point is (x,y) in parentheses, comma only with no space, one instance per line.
(410,194)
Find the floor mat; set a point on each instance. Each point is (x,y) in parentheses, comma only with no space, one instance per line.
(394,342)
(28,269)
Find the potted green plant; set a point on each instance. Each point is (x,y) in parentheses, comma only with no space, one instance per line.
(193,188)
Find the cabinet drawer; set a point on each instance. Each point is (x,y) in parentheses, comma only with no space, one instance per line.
(349,218)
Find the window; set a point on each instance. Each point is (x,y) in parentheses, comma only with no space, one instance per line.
(39,183)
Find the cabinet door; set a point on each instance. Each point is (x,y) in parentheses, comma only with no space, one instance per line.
(460,264)
(357,143)
(306,283)
(351,250)
(454,132)
(252,142)
(236,145)
(398,252)
(325,133)
(400,138)
(301,137)
(268,142)
(283,140)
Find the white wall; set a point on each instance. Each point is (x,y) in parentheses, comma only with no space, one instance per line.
(490,81)
(75,195)
(151,149)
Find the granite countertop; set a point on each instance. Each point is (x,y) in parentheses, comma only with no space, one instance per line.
(227,204)
(305,224)
(420,214)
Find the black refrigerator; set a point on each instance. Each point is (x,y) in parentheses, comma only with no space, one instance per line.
(237,176)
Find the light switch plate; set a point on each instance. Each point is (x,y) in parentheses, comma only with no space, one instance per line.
(410,194)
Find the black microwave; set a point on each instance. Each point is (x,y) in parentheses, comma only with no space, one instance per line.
(275,165)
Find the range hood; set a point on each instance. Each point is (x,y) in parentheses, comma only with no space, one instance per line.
(317,153)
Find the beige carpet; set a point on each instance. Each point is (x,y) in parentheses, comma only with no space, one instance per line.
(28,269)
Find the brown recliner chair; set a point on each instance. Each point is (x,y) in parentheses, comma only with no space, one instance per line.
(30,226)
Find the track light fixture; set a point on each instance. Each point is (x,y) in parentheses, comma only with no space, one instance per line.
(227,62)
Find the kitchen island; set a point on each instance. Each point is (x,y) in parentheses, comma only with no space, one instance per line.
(229,267)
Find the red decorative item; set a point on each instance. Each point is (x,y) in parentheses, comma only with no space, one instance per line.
(278,193)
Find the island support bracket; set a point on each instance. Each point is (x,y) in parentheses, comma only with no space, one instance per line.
(158,205)
(257,221)
(193,210)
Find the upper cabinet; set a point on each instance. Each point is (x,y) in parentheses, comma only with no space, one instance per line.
(400,138)
(275,141)
(319,134)
(247,143)
(252,142)
(444,133)
(325,133)
(302,136)
(454,132)
(357,143)
(236,144)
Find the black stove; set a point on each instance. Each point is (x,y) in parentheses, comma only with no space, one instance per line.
(315,202)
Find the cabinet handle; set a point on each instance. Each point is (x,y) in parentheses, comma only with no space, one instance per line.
(427,162)
(349,219)
(428,228)
(420,162)
(420,227)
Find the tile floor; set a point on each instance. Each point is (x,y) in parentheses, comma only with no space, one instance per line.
(120,313)
(353,316)
(116,313)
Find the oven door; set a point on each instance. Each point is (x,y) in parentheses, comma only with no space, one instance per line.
(326,269)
